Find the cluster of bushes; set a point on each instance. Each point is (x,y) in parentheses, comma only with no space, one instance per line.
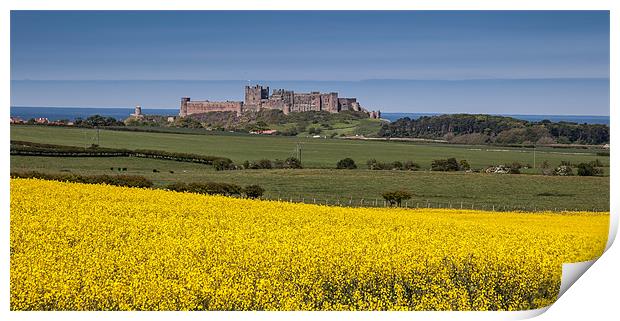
(346,163)
(588,169)
(592,168)
(117,180)
(90,122)
(314,130)
(212,188)
(37,149)
(290,163)
(97,121)
(449,165)
(514,168)
(396,198)
(396,165)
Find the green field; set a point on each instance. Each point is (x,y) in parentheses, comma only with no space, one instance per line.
(331,185)
(320,182)
(316,152)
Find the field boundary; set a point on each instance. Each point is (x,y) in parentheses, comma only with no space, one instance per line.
(421,203)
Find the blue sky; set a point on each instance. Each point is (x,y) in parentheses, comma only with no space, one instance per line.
(555,60)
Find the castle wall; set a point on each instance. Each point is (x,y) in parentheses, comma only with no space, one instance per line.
(198,107)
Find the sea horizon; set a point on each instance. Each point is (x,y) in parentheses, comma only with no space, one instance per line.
(71,113)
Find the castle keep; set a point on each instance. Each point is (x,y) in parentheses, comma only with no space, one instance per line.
(257,98)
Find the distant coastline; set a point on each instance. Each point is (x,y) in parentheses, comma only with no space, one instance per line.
(71,113)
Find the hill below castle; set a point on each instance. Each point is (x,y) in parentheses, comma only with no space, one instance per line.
(266,121)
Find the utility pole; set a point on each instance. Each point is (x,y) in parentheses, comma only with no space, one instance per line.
(299,152)
(534,156)
(97,136)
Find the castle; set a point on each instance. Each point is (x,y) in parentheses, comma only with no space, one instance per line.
(258,97)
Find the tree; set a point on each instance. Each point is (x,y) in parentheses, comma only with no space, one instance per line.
(222,164)
(253,191)
(395,198)
(264,164)
(411,166)
(346,163)
(292,162)
(586,169)
(397,165)
(445,165)
(464,165)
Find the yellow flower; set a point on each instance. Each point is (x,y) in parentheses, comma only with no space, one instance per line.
(97,247)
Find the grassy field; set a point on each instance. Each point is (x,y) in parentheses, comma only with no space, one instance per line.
(440,189)
(316,153)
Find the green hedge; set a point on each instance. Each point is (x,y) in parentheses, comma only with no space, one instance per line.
(38,149)
(117,180)
(210,188)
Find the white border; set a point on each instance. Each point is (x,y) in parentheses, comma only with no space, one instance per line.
(593,295)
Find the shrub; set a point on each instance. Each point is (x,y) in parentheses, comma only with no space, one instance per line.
(292,162)
(411,166)
(346,163)
(564,170)
(372,163)
(464,165)
(445,165)
(177,187)
(397,165)
(223,164)
(376,165)
(314,130)
(278,163)
(395,198)
(586,169)
(253,191)
(264,164)
(516,165)
(514,170)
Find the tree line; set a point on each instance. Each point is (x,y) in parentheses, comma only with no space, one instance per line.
(485,129)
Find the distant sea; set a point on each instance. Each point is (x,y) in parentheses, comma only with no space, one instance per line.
(71,113)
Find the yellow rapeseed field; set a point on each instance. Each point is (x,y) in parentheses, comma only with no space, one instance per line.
(97,247)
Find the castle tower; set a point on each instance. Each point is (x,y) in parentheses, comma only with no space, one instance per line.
(137,112)
(254,94)
(183,110)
